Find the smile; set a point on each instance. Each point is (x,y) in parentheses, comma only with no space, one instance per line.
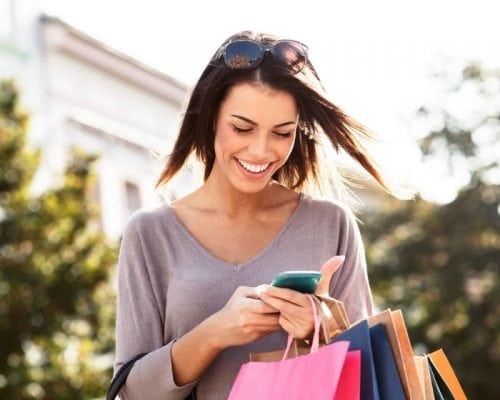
(254,168)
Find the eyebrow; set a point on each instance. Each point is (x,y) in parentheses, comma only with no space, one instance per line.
(255,123)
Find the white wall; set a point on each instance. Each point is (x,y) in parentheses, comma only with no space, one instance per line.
(82,94)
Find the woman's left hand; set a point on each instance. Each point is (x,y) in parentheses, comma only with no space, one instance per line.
(296,315)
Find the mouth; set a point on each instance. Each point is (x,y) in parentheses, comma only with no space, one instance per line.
(254,169)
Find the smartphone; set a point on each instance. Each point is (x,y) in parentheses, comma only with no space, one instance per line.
(301,281)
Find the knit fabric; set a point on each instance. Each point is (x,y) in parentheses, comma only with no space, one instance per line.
(168,283)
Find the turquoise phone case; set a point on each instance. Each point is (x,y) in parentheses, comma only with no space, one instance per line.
(301,281)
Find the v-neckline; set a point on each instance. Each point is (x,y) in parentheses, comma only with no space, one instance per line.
(206,253)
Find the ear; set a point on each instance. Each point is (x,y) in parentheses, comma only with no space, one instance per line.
(327,270)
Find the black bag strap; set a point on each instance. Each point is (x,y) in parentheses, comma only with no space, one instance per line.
(121,377)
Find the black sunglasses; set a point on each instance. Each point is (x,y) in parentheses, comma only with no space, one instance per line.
(248,53)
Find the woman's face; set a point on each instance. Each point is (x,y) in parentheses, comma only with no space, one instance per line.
(254,135)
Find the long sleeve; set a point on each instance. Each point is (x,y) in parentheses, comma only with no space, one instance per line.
(351,286)
(168,283)
(140,326)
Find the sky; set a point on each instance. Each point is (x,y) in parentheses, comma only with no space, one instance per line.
(375,58)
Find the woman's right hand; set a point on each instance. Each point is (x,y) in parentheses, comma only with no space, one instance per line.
(243,319)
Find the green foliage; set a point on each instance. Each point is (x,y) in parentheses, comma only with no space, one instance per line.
(440,263)
(465,125)
(56,305)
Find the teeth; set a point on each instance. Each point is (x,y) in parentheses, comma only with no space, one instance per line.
(253,167)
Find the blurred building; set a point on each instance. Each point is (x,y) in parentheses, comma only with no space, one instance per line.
(82,93)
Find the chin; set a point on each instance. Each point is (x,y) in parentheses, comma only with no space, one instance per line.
(250,187)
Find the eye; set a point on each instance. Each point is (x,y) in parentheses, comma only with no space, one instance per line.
(241,130)
(283,134)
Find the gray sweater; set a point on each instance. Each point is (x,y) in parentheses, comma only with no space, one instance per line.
(168,283)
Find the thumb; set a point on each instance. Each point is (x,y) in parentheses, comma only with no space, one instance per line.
(327,270)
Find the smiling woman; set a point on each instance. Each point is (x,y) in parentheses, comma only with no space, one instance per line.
(283,66)
(188,270)
(252,142)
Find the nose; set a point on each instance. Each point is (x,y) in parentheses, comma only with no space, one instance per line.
(259,146)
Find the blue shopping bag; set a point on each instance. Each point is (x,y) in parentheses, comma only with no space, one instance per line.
(388,380)
(358,337)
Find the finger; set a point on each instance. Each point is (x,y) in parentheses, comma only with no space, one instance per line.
(297,315)
(277,303)
(327,270)
(291,310)
(289,295)
(273,324)
(286,324)
(257,307)
(267,321)
(298,331)
(261,307)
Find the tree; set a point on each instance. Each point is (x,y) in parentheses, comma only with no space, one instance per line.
(440,263)
(56,306)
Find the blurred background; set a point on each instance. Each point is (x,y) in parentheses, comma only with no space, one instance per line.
(90,98)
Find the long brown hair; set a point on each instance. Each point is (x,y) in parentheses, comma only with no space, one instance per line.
(317,115)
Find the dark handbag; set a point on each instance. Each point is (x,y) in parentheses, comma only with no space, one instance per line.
(121,377)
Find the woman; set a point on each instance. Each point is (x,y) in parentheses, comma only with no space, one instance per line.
(188,270)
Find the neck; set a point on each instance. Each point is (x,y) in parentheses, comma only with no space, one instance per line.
(220,195)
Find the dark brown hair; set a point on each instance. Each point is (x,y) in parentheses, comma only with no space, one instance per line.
(317,115)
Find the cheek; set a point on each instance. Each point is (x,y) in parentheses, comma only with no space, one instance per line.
(226,142)
(222,139)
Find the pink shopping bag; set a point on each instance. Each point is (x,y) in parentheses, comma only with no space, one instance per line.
(349,387)
(312,376)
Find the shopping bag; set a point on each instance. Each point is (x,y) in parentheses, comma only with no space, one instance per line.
(424,376)
(401,348)
(298,348)
(439,388)
(349,387)
(311,376)
(388,380)
(334,314)
(443,371)
(358,337)
(334,309)
(331,324)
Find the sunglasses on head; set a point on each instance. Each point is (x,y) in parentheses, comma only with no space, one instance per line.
(248,53)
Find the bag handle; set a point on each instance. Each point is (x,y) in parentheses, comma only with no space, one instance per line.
(333,314)
(315,341)
(121,376)
(329,325)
